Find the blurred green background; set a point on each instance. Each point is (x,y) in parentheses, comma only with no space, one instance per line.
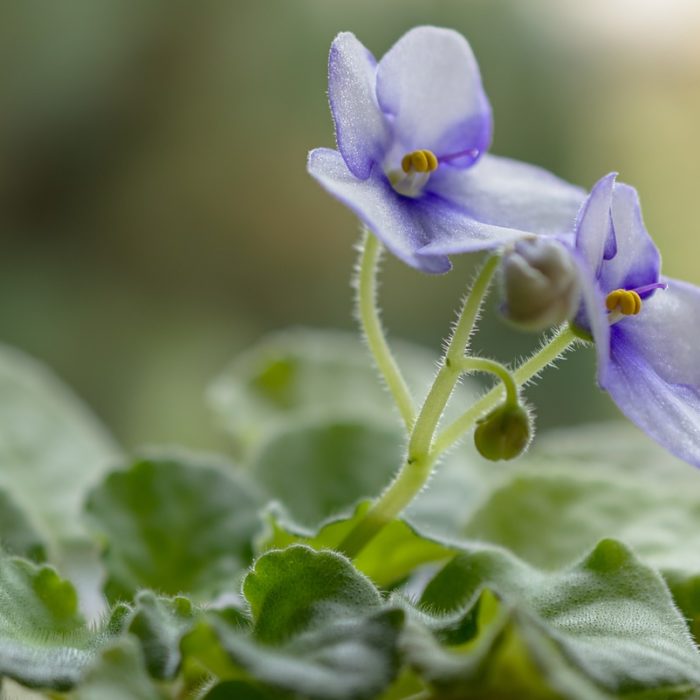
(155,212)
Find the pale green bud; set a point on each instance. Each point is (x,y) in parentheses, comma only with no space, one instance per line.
(541,286)
(504,433)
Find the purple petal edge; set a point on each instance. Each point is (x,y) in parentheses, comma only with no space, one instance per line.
(397,221)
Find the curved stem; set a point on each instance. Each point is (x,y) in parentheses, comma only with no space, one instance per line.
(558,345)
(449,371)
(415,472)
(481,364)
(366,284)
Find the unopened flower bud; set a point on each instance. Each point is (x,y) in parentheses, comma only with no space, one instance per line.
(541,286)
(504,433)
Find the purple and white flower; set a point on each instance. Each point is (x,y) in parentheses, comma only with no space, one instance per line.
(412,132)
(646,327)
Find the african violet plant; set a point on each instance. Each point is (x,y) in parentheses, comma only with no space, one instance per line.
(573,572)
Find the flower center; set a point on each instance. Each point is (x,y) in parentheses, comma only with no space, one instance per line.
(415,172)
(423,161)
(417,166)
(628,302)
(624,301)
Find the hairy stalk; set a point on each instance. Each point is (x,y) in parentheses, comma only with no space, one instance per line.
(546,355)
(481,364)
(415,472)
(366,285)
(450,370)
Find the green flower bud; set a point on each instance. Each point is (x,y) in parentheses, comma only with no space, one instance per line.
(541,286)
(504,433)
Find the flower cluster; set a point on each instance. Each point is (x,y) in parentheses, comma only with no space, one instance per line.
(413,131)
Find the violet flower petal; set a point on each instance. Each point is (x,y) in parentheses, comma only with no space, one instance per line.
(637,261)
(593,315)
(429,86)
(506,195)
(612,238)
(654,373)
(360,129)
(595,234)
(402,224)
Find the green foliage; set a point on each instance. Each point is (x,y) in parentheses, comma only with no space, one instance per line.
(159,624)
(18,535)
(44,641)
(320,628)
(119,673)
(300,375)
(631,490)
(585,548)
(51,451)
(608,615)
(240,690)
(174,524)
(322,469)
(298,588)
(389,558)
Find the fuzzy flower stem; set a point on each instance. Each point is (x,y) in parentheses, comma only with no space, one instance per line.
(450,369)
(366,285)
(482,364)
(417,469)
(418,466)
(555,348)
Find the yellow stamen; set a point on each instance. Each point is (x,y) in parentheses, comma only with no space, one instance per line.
(626,301)
(422,161)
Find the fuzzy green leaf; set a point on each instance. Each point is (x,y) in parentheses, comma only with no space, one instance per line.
(304,374)
(504,655)
(595,482)
(297,588)
(160,624)
(240,690)
(320,630)
(390,557)
(44,641)
(318,470)
(119,673)
(174,524)
(626,488)
(608,619)
(17,535)
(297,373)
(52,450)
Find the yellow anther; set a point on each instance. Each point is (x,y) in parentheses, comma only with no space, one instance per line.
(626,301)
(422,161)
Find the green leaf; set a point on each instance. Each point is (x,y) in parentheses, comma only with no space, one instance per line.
(595,482)
(608,618)
(318,470)
(174,524)
(52,450)
(160,624)
(320,630)
(14,691)
(510,657)
(387,559)
(240,690)
(628,488)
(458,486)
(17,535)
(44,641)
(291,590)
(119,673)
(305,375)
